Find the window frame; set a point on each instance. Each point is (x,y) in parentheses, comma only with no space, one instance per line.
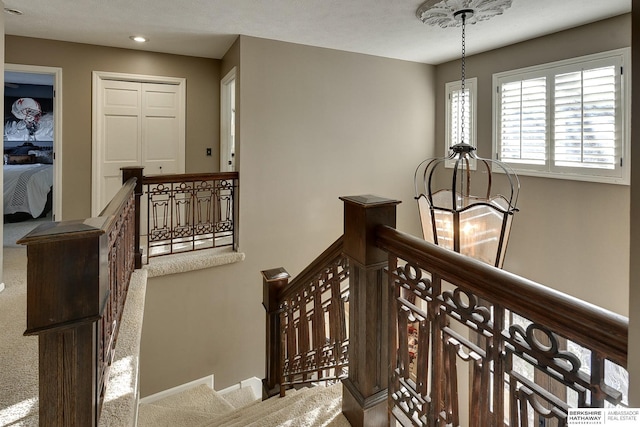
(620,174)
(471,84)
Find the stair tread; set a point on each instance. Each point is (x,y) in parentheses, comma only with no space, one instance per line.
(240,397)
(190,408)
(320,406)
(151,415)
(200,399)
(203,407)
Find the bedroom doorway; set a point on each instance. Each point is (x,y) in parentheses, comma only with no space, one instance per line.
(31,146)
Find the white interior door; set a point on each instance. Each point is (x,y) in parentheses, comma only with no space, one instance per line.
(228,122)
(120,132)
(137,121)
(161,129)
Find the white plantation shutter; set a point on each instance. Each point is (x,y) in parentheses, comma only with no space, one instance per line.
(566,120)
(453,111)
(585,118)
(456,115)
(524,118)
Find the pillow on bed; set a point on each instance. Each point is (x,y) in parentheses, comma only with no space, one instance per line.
(42,156)
(21,159)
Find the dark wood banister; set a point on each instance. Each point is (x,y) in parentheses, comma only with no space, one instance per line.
(160,179)
(78,274)
(277,287)
(128,173)
(369,238)
(77,279)
(594,327)
(117,204)
(301,280)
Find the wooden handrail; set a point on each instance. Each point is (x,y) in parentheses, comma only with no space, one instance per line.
(78,275)
(329,255)
(531,352)
(293,358)
(528,351)
(589,325)
(186,177)
(117,204)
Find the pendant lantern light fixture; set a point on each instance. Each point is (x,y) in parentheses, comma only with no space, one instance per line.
(466,203)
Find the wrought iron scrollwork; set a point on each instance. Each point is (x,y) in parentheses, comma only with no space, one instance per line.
(190,214)
(519,371)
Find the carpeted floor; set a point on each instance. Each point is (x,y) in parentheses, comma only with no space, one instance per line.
(18,354)
(16,230)
(203,407)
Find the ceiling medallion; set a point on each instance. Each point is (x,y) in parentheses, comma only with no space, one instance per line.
(443,12)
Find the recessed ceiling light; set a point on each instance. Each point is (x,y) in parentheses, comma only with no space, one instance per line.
(11,11)
(139,39)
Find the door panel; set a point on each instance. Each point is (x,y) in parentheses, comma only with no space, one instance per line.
(161,116)
(121,134)
(136,123)
(121,97)
(120,130)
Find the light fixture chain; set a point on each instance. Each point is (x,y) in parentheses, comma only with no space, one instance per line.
(462,109)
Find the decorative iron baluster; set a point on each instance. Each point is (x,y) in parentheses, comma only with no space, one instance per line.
(468,331)
(313,328)
(190,212)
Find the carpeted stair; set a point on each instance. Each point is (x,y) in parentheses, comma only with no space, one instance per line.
(203,407)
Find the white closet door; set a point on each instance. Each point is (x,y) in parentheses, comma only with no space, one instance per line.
(120,132)
(161,152)
(138,121)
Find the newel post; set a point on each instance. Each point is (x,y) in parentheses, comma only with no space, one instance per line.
(135,172)
(273,281)
(67,293)
(364,401)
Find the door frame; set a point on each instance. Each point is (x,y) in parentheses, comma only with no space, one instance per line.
(56,72)
(96,152)
(227,161)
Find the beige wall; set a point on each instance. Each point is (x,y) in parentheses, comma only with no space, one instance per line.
(316,124)
(77,62)
(572,236)
(231,58)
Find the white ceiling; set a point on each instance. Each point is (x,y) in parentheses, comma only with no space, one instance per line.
(207,28)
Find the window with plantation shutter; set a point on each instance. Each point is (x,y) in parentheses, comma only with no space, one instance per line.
(568,119)
(454,109)
(585,118)
(524,124)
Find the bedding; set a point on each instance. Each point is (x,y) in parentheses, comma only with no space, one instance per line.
(26,188)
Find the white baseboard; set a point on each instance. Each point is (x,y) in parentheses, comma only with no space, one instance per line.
(208,381)
(1,287)
(253,382)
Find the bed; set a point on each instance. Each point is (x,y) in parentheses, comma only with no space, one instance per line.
(27,187)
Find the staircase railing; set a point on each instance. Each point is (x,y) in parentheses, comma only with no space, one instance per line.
(78,275)
(431,316)
(188,212)
(307,322)
(533,352)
